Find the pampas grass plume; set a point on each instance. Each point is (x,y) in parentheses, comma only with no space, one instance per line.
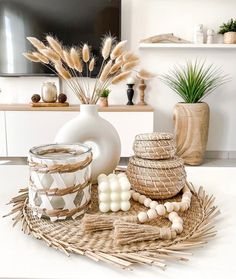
(106,71)
(117,50)
(130,56)
(74,54)
(115,67)
(41,57)
(106,47)
(50,54)
(62,71)
(121,77)
(36,43)
(55,45)
(130,65)
(91,64)
(31,57)
(144,74)
(85,53)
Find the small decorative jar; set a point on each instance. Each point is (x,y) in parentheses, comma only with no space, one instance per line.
(103,102)
(60,180)
(49,92)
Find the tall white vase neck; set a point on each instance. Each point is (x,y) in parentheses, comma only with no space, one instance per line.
(89,110)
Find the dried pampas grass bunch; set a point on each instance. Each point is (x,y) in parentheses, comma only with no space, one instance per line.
(70,64)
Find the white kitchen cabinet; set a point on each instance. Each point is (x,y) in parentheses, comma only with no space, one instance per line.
(3,150)
(26,129)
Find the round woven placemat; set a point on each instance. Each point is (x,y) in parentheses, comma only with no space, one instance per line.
(69,237)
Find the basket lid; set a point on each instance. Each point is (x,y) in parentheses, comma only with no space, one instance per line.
(175,162)
(155,136)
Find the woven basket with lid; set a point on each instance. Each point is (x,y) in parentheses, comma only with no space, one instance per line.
(157,179)
(154,146)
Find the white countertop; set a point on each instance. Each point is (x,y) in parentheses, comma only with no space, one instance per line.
(22,256)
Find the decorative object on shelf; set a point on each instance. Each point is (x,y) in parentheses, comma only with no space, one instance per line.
(49,105)
(130,94)
(70,65)
(158,179)
(49,92)
(154,146)
(60,180)
(142,86)
(229,31)
(162,38)
(91,129)
(62,98)
(210,36)
(103,100)
(193,83)
(198,228)
(198,34)
(35,98)
(113,192)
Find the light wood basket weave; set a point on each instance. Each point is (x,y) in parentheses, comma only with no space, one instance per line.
(155,146)
(157,179)
(69,237)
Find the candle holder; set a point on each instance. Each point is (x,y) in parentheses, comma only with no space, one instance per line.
(130,94)
(60,180)
(142,86)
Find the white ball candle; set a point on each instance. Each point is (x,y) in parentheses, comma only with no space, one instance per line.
(102,177)
(115,186)
(104,186)
(121,174)
(115,196)
(104,197)
(115,206)
(104,207)
(125,185)
(125,205)
(125,196)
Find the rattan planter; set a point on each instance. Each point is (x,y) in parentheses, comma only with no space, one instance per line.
(157,179)
(154,146)
(230,38)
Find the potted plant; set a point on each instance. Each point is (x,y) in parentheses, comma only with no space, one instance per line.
(193,82)
(229,31)
(103,100)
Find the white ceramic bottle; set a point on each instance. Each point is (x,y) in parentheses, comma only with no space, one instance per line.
(198,34)
(91,129)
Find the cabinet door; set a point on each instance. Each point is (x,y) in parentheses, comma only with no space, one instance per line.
(3,151)
(128,125)
(26,129)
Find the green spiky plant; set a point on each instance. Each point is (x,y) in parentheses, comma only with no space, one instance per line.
(230,26)
(194,81)
(105,93)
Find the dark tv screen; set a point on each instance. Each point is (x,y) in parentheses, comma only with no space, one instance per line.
(73,22)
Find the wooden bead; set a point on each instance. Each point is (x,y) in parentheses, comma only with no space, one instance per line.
(169,206)
(147,202)
(177,220)
(152,214)
(172,216)
(187,194)
(142,217)
(136,196)
(160,209)
(177,227)
(153,204)
(141,199)
(183,206)
(176,206)
(173,234)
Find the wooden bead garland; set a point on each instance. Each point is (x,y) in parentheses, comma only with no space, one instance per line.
(168,210)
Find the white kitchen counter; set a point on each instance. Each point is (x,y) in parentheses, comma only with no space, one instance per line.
(22,256)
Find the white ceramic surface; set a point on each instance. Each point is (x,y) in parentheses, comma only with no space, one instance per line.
(91,129)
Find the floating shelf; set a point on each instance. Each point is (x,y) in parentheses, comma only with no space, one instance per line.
(194,46)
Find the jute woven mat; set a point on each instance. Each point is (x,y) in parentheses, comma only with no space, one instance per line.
(69,237)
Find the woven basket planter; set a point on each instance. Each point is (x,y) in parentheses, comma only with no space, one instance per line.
(157,179)
(230,38)
(154,146)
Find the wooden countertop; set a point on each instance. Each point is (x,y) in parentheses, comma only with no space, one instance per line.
(112,108)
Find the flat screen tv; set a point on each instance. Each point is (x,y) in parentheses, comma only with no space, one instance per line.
(72,21)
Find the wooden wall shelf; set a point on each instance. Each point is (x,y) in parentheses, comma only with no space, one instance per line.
(186,46)
(112,108)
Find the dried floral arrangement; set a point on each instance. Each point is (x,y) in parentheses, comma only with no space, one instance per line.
(70,64)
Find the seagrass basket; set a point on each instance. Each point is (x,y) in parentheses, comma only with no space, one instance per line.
(154,146)
(157,179)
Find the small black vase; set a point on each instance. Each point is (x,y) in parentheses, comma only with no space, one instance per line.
(130,94)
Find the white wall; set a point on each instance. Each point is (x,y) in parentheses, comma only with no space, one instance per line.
(144,18)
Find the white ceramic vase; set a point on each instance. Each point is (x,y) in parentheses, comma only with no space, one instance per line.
(91,129)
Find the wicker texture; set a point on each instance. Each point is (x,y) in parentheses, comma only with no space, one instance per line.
(157,179)
(69,237)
